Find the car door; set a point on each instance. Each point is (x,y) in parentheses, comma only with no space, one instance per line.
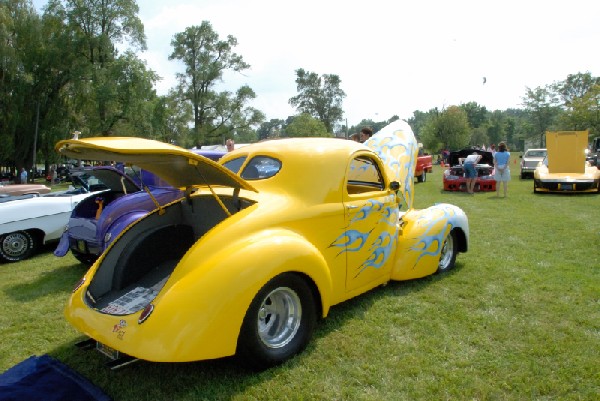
(371,215)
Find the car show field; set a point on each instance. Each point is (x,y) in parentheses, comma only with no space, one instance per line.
(516,319)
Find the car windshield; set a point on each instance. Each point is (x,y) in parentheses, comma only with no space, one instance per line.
(535,153)
(88,182)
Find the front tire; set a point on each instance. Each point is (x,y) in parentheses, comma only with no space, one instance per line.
(87,260)
(16,246)
(279,322)
(448,253)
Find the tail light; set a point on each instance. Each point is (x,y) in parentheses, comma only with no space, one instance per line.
(146,313)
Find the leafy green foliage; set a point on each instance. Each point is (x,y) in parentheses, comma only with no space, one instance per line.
(304,125)
(449,129)
(206,58)
(321,97)
(543,107)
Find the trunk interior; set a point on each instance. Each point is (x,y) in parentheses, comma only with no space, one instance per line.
(137,266)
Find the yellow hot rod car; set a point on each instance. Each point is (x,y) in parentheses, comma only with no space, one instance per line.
(263,243)
(565,168)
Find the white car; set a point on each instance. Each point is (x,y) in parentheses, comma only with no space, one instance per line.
(530,160)
(28,221)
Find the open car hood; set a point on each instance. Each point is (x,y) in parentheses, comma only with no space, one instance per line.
(566,151)
(179,167)
(397,147)
(486,157)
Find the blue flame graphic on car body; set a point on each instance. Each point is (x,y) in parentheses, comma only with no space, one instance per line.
(381,249)
(351,241)
(426,240)
(364,212)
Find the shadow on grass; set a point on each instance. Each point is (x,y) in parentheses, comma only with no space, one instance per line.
(223,378)
(49,282)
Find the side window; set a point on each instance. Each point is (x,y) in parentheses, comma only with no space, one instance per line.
(261,167)
(235,164)
(364,176)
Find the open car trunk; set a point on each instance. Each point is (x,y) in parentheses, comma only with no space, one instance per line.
(137,265)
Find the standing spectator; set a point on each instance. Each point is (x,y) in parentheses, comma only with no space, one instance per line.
(502,172)
(355,137)
(23,175)
(470,171)
(230,145)
(365,133)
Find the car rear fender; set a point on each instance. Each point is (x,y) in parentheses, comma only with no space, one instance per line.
(208,302)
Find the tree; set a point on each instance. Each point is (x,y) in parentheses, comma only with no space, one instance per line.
(320,97)
(206,58)
(579,94)
(99,25)
(232,119)
(448,129)
(476,114)
(112,92)
(576,86)
(420,119)
(304,125)
(170,118)
(543,109)
(584,112)
(496,129)
(270,129)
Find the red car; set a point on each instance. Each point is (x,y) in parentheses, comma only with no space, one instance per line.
(454,175)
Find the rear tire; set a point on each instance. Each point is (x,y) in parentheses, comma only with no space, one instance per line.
(279,322)
(16,246)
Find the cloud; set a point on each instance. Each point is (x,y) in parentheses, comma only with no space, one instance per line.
(393,57)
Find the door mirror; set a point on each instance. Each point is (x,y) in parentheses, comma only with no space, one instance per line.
(394,186)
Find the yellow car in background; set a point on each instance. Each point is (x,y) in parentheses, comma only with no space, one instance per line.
(263,243)
(565,168)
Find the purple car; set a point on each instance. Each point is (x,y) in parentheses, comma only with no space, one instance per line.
(129,195)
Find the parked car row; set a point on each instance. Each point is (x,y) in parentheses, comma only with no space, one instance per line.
(100,202)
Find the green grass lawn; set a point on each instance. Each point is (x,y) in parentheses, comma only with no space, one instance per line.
(518,319)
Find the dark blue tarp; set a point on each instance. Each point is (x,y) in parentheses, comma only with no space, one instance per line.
(45,378)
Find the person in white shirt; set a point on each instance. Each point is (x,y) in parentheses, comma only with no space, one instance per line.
(470,171)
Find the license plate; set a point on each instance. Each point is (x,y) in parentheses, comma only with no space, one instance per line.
(566,187)
(81,246)
(108,351)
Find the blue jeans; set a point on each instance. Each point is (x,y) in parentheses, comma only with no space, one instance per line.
(470,171)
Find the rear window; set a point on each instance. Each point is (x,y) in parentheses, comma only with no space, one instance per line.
(261,167)
(535,153)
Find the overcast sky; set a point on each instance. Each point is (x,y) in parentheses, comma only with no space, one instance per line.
(393,56)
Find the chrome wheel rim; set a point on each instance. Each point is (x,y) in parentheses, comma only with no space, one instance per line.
(279,317)
(14,245)
(446,254)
